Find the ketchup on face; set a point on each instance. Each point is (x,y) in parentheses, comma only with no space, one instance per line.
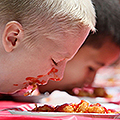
(15,84)
(33,81)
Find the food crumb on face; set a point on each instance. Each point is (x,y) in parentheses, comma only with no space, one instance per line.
(15,84)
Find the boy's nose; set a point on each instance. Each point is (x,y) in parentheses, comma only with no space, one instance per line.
(89,79)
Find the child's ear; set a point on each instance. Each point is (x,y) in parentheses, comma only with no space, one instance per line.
(12,35)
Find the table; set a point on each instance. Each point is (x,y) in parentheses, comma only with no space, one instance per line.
(5,115)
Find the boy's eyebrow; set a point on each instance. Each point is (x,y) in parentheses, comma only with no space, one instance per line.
(67,55)
(100,63)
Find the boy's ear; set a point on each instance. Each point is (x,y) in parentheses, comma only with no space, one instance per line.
(12,35)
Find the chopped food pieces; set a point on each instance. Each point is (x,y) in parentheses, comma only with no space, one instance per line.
(44,108)
(82,107)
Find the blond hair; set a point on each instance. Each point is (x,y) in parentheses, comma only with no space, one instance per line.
(48,15)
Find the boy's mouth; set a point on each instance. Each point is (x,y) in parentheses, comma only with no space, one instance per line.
(41,80)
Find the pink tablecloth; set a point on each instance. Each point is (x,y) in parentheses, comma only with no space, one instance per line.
(5,115)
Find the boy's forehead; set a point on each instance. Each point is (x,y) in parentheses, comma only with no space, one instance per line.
(107,54)
(99,57)
(66,44)
(68,48)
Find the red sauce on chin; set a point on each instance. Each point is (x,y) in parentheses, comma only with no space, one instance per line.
(33,81)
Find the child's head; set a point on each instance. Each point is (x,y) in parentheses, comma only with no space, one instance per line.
(108,22)
(100,49)
(39,35)
(48,16)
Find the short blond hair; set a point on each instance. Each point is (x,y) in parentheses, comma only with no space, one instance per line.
(50,15)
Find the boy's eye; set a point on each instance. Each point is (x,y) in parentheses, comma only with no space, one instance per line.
(91,69)
(55,62)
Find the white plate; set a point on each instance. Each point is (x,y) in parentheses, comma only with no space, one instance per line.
(53,114)
(23,110)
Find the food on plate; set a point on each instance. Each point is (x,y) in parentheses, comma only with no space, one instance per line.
(44,108)
(82,107)
(65,108)
(90,92)
(100,92)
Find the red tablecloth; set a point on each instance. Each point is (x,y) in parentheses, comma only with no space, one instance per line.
(5,115)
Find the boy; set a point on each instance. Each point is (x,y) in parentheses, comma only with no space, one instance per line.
(100,49)
(38,37)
